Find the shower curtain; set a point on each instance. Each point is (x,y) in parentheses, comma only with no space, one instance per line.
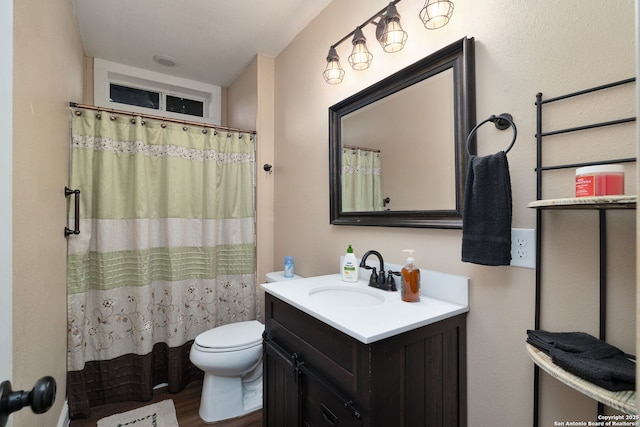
(166,250)
(361,180)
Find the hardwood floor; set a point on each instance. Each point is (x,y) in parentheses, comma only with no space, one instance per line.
(186,402)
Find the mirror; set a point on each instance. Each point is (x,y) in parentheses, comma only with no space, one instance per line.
(397,151)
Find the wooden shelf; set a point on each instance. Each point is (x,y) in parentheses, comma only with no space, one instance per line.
(598,202)
(624,401)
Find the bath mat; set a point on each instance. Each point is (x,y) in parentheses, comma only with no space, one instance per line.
(161,414)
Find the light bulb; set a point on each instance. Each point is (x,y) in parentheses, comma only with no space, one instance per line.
(360,57)
(436,13)
(333,73)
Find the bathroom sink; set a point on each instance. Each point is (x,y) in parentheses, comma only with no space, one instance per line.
(346,296)
(368,314)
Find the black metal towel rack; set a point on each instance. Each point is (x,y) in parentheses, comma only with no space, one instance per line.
(502,121)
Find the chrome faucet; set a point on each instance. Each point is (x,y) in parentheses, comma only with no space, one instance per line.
(378,280)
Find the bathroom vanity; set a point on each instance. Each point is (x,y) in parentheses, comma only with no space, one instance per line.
(345,354)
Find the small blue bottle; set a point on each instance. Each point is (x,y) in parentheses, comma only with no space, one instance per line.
(288,267)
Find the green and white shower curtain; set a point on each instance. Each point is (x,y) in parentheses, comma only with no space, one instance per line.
(166,248)
(361,180)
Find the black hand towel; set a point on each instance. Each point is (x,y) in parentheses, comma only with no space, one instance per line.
(587,357)
(571,342)
(486,218)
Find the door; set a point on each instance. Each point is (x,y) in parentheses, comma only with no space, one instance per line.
(6,142)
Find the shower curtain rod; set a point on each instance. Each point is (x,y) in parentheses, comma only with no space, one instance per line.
(354,147)
(164,119)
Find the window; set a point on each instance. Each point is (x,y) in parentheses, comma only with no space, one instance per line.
(132,96)
(123,87)
(184,106)
(155,100)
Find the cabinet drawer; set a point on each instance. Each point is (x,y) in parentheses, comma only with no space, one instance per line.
(332,353)
(323,405)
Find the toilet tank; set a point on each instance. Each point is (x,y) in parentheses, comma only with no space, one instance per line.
(278,276)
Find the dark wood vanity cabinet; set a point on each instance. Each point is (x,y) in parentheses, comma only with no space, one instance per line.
(315,375)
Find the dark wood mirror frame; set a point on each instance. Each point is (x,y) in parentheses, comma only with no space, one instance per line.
(459,57)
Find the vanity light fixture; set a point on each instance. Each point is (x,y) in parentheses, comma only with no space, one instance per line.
(389,32)
(334,73)
(360,57)
(436,13)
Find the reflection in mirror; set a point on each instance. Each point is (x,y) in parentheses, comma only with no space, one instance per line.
(397,148)
(416,153)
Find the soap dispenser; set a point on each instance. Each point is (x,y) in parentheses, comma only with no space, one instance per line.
(349,266)
(410,287)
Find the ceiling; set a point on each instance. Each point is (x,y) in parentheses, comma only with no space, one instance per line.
(212,41)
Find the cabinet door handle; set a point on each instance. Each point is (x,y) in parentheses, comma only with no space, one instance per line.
(328,416)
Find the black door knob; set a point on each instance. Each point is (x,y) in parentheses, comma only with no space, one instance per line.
(40,398)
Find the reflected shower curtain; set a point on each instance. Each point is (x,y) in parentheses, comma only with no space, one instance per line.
(166,250)
(361,180)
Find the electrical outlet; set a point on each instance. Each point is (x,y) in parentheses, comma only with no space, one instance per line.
(523,247)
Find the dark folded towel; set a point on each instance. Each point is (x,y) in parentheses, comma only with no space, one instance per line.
(571,342)
(587,357)
(486,218)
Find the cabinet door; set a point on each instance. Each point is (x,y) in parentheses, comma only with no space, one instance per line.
(420,377)
(281,388)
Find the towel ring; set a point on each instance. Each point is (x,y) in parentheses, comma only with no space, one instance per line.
(502,122)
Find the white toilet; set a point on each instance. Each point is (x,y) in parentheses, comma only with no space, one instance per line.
(231,358)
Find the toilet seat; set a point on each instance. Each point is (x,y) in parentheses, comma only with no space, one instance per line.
(231,337)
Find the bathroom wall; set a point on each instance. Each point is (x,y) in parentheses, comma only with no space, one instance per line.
(48,73)
(250,106)
(522,48)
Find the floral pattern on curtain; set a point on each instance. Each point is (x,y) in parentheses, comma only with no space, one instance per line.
(361,180)
(167,242)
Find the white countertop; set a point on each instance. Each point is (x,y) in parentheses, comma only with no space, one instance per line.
(373,323)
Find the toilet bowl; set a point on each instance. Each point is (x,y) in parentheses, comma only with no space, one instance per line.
(231,358)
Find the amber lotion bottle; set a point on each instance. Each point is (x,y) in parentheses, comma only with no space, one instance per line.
(410,289)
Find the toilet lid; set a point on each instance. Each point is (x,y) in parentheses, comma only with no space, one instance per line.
(233,335)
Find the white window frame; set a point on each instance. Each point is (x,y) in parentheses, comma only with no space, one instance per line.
(106,72)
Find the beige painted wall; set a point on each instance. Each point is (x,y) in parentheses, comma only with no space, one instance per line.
(243,98)
(265,155)
(522,48)
(48,69)
(250,106)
